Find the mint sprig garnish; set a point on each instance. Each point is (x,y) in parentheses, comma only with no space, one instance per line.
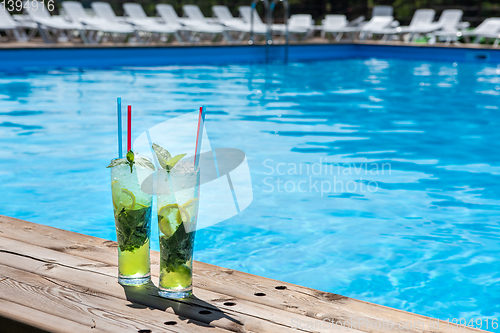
(131,159)
(166,160)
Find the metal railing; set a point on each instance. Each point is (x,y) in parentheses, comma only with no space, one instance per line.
(287,13)
(253,11)
(269,9)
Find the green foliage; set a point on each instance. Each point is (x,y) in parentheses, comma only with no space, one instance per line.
(132,228)
(177,249)
(131,159)
(166,160)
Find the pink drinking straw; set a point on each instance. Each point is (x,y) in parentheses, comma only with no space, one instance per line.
(129,129)
(199,136)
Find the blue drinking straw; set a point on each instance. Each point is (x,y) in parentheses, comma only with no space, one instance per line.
(119,111)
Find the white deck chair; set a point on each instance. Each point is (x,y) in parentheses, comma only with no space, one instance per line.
(104,11)
(14,29)
(233,24)
(223,15)
(357,22)
(377,25)
(420,23)
(335,25)
(227,19)
(489,28)
(138,18)
(77,13)
(246,14)
(168,14)
(298,24)
(52,28)
(447,26)
(196,17)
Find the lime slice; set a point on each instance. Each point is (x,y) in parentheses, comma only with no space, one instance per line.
(138,205)
(115,193)
(170,218)
(127,199)
(181,277)
(191,206)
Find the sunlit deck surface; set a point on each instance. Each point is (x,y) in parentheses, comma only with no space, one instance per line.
(60,281)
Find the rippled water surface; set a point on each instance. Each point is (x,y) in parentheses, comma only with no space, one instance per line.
(410,150)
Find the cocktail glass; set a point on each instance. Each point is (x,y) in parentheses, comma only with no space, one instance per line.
(132,210)
(177,213)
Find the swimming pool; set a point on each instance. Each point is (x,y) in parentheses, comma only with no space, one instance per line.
(409,145)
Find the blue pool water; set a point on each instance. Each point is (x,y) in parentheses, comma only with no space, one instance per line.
(411,148)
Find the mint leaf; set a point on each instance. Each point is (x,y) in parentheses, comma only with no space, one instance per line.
(132,228)
(116,162)
(145,163)
(130,158)
(162,154)
(166,160)
(177,249)
(173,161)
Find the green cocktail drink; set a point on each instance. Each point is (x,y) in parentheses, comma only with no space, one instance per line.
(132,211)
(177,213)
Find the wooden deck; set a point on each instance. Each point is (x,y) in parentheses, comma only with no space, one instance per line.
(59,281)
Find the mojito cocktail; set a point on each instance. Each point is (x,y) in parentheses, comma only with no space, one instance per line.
(177,212)
(132,211)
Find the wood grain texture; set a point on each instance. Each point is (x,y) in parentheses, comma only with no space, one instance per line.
(36,320)
(88,308)
(99,278)
(82,261)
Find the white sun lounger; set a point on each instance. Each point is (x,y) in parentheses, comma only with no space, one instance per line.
(232,23)
(77,13)
(197,19)
(489,28)
(298,24)
(335,25)
(104,11)
(377,25)
(357,22)
(14,29)
(447,26)
(168,14)
(138,18)
(52,28)
(258,25)
(224,16)
(420,23)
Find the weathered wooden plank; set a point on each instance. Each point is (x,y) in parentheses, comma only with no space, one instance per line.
(34,321)
(98,278)
(237,285)
(77,304)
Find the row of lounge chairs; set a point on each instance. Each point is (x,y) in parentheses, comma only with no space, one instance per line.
(449,28)
(136,26)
